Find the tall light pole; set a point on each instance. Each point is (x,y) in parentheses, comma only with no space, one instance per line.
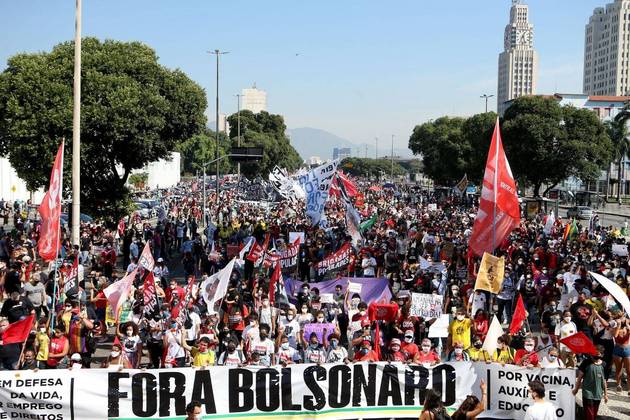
(392,174)
(238,128)
(218,53)
(486,97)
(76,130)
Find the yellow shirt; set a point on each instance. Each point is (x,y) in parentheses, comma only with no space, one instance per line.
(478,355)
(202,359)
(42,342)
(505,357)
(460,332)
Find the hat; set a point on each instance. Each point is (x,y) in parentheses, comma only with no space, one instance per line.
(395,341)
(160,259)
(365,322)
(76,357)
(409,333)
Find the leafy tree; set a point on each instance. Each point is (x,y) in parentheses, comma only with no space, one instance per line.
(546,143)
(133,111)
(619,135)
(200,149)
(370,168)
(442,147)
(477,134)
(267,131)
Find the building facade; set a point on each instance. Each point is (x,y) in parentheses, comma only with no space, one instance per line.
(342,152)
(607,50)
(518,63)
(254,99)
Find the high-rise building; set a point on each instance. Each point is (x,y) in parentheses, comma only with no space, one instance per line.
(607,50)
(518,63)
(254,99)
(341,152)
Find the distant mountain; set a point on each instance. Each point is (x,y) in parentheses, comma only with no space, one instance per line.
(315,142)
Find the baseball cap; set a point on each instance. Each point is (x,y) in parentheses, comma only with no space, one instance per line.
(395,341)
(409,333)
(76,357)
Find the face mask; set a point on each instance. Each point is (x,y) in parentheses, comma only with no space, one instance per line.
(364,351)
(567,319)
(129,333)
(459,351)
(408,339)
(334,343)
(289,317)
(356,301)
(426,348)
(42,330)
(478,345)
(304,310)
(252,323)
(455,292)
(320,320)
(115,354)
(460,317)
(552,357)
(285,346)
(314,345)
(529,347)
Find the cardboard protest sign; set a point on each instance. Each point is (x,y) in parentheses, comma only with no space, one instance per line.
(490,274)
(426,306)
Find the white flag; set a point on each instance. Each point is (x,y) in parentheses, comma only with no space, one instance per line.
(214,287)
(494,332)
(316,184)
(118,292)
(551,219)
(352,224)
(614,289)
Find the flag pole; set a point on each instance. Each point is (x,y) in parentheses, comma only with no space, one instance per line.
(494,187)
(54,296)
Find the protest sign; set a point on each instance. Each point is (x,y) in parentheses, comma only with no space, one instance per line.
(316,186)
(440,327)
(490,274)
(337,260)
(620,250)
(426,306)
(301,391)
(318,329)
(294,235)
(372,289)
(326,298)
(354,288)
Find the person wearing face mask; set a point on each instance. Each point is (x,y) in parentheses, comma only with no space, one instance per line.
(75,362)
(336,352)
(460,329)
(251,331)
(116,360)
(394,354)
(314,352)
(552,360)
(527,356)
(267,314)
(290,327)
(232,356)
(304,316)
(550,316)
(131,343)
(263,346)
(193,411)
(426,356)
(591,379)
(365,353)
(504,354)
(477,353)
(408,347)
(285,354)
(175,353)
(58,349)
(458,354)
(564,329)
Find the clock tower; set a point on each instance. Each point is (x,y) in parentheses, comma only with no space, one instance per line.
(518,63)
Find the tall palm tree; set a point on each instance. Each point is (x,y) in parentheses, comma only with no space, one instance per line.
(621,140)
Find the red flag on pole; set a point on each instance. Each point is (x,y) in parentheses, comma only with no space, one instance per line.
(50,211)
(273,281)
(377,340)
(18,331)
(383,311)
(579,344)
(499,211)
(520,315)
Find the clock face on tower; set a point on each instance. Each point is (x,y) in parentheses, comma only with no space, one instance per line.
(523,37)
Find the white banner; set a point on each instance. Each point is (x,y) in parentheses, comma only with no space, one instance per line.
(365,390)
(427,306)
(316,184)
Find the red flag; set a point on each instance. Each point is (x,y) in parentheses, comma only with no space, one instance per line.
(382,311)
(149,296)
(579,344)
(273,281)
(27,272)
(50,211)
(116,341)
(18,331)
(499,200)
(520,315)
(377,341)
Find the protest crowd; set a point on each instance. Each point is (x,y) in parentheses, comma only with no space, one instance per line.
(253,283)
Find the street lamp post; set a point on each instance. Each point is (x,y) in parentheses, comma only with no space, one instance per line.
(486,97)
(238,128)
(216,146)
(76,131)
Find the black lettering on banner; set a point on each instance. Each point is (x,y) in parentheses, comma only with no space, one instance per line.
(113,394)
(448,388)
(177,394)
(411,386)
(287,392)
(368,385)
(390,387)
(203,392)
(262,389)
(312,374)
(240,382)
(144,387)
(339,396)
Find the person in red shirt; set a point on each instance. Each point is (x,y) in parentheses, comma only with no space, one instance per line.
(408,347)
(108,261)
(480,324)
(427,355)
(527,356)
(365,353)
(174,290)
(394,354)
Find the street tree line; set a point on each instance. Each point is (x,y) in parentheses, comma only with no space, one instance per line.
(545,144)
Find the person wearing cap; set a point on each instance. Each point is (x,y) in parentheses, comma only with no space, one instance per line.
(408,347)
(75,362)
(394,354)
(314,351)
(426,356)
(161,270)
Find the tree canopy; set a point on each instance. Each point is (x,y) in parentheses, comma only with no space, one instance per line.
(200,149)
(133,111)
(370,168)
(267,131)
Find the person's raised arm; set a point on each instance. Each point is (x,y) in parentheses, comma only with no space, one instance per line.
(482,403)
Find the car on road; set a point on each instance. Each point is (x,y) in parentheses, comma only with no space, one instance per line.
(84,218)
(581,212)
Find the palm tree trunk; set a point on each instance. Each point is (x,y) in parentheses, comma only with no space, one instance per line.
(619,181)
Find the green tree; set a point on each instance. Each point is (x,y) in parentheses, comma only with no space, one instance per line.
(621,142)
(546,143)
(477,134)
(370,168)
(200,149)
(267,131)
(442,147)
(133,111)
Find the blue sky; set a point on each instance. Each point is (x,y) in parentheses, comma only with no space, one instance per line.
(365,68)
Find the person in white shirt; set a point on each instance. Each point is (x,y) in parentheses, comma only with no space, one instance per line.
(368,263)
(551,360)
(564,329)
(540,409)
(267,314)
(285,354)
(263,346)
(290,327)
